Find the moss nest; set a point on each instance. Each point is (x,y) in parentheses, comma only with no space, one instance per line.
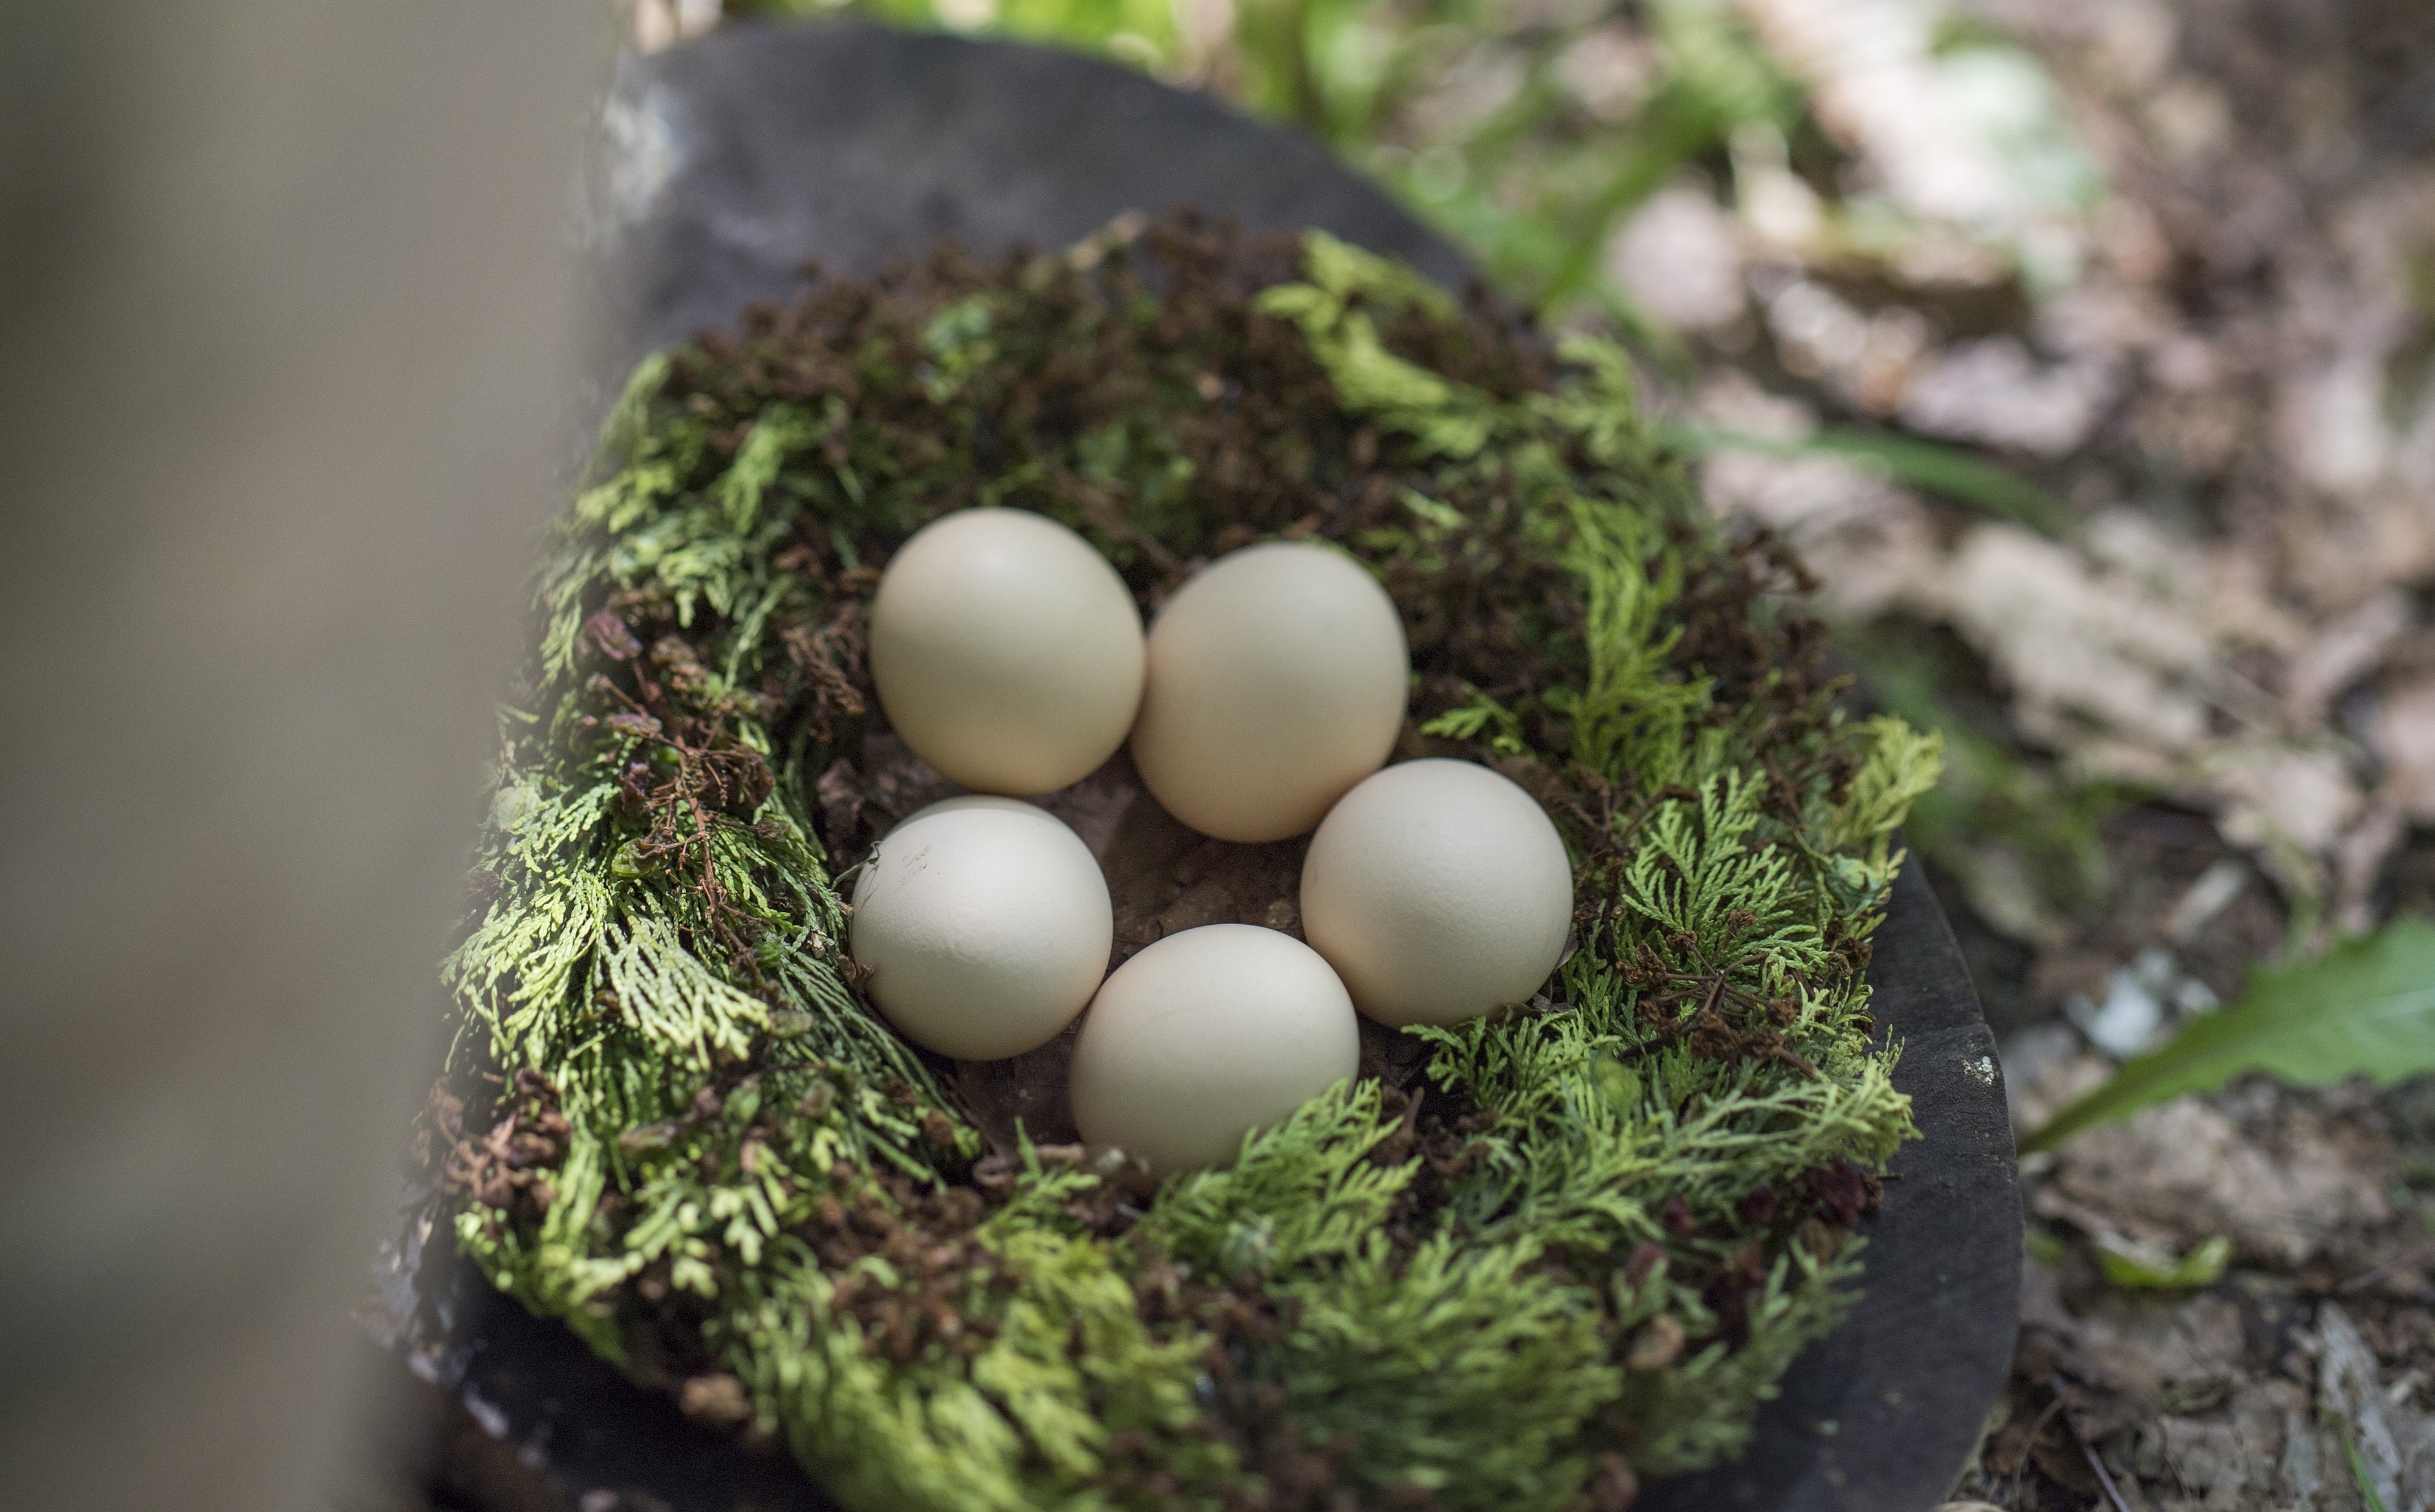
(1529,1262)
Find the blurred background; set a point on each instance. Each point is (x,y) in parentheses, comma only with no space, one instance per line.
(2085,348)
(284,339)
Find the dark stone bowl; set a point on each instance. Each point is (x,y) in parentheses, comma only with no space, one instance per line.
(724,165)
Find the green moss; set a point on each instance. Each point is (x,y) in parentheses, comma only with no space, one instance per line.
(1592,1226)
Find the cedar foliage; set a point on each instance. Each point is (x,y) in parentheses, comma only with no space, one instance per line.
(1560,1248)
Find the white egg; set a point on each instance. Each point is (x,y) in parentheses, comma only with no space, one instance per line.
(986,925)
(1277,681)
(1438,890)
(1006,651)
(1205,1036)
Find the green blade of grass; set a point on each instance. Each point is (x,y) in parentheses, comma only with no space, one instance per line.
(2360,1475)
(1716,77)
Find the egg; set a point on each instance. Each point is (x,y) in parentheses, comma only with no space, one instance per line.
(1438,890)
(1277,680)
(1205,1036)
(1007,652)
(986,925)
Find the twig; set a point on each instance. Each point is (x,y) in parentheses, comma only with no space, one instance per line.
(2401,1261)
(2021,1460)
(2088,1451)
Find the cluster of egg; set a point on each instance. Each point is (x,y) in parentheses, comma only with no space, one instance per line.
(1263,701)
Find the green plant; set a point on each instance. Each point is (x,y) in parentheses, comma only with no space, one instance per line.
(2365,1008)
(2203,1266)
